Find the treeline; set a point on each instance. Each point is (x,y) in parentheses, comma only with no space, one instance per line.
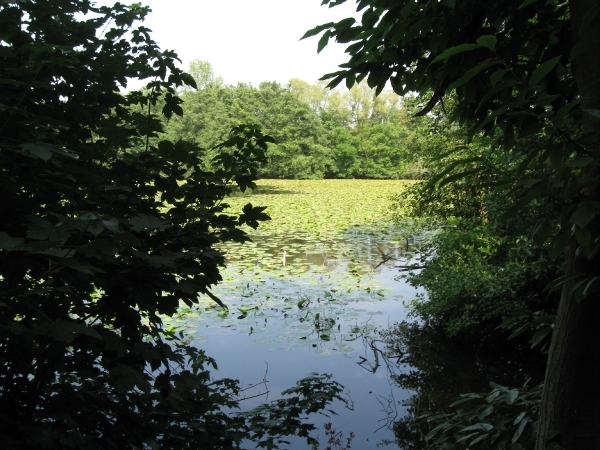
(319,133)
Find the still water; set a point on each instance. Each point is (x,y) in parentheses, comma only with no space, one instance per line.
(299,305)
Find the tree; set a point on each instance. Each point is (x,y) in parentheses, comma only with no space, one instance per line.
(301,149)
(518,69)
(108,226)
(203,73)
(318,133)
(369,134)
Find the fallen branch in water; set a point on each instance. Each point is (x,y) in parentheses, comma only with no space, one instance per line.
(341,248)
(406,268)
(384,257)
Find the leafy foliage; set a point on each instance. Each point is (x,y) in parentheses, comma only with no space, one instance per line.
(476,280)
(485,278)
(501,419)
(504,87)
(520,70)
(336,439)
(111,226)
(481,270)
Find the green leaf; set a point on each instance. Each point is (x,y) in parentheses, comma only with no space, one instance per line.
(316,30)
(495,91)
(458,176)
(511,396)
(519,430)
(147,222)
(350,80)
(486,412)
(578,48)
(527,2)
(434,431)
(478,426)
(467,437)
(498,112)
(9,243)
(543,70)
(433,181)
(465,398)
(111,225)
(454,51)
(324,41)
(344,24)
(499,387)
(539,336)
(497,76)
(252,215)
(40,151)
(564,111)
(586,211)
(479,439)
(474,71)
(582,161)
(125,377)
(542,230)
(591,286)
(545,99)
(590,15)
(560,281)
(531,182)
(595,113)
(488,41)
(177,109)
(57,252)
(81,265)
(583,236)
(519,417)
(189,80)
(559,243)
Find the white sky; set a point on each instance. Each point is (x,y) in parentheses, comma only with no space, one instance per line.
(248,40)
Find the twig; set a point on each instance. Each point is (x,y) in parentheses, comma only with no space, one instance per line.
(390,409)
(340,247)
(407,268)
(252,386)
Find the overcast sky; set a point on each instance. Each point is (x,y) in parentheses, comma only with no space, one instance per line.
(248,40)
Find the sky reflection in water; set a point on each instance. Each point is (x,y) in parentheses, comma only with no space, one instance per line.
(317,313)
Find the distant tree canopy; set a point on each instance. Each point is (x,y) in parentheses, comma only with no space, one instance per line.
(318,133)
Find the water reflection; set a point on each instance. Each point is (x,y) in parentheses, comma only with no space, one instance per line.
(357,251)
(437,369)
(334,304)
(316,310)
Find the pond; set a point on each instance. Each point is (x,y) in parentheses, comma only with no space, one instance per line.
(309,294)
(319,290)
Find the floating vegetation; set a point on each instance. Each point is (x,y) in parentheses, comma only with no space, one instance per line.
(309,273)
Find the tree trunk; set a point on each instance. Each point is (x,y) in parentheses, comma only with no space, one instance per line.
(571,398)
